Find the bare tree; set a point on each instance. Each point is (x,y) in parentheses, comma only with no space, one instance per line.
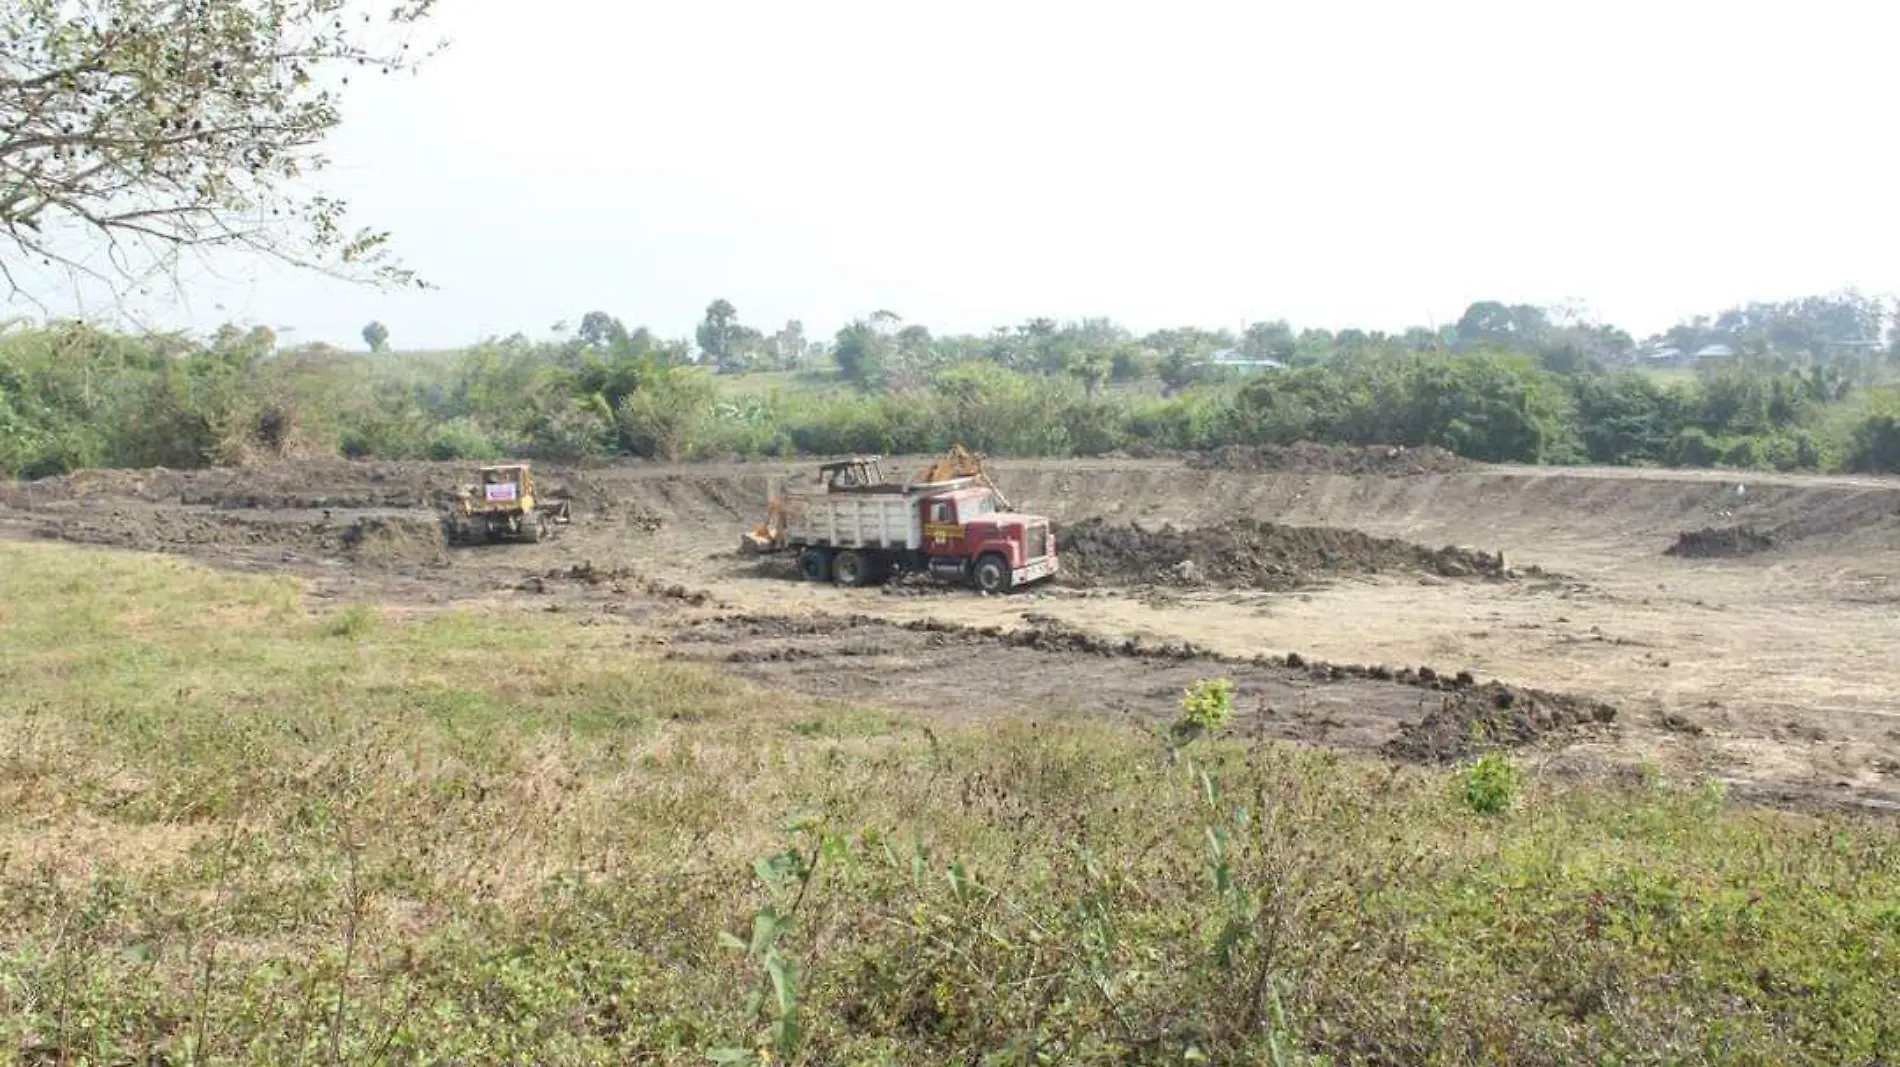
(134,131)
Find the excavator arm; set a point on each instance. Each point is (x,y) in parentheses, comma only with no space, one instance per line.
(960,462)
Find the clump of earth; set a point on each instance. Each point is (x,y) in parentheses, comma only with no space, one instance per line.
(1246,553)
(1716,541)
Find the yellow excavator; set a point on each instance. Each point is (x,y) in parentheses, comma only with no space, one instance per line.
(959,462)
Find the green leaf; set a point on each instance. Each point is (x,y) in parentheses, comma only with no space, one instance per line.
(765,930)
(784,983)
(837,849)
(960,882)
(732,1055)
(773,869)
(731,942)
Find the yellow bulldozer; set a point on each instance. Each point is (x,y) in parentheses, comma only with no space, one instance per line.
(860,472)
(503,506)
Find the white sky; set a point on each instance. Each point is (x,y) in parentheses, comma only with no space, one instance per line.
(972,165)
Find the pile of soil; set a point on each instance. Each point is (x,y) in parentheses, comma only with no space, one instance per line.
(1245,553)
(389,538)
(1715,541)
(384,540)
(1309,458)
(1491,716)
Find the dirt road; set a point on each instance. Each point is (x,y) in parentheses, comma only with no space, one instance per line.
(1769,669)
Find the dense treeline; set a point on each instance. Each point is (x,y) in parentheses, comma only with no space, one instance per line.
(1512,384)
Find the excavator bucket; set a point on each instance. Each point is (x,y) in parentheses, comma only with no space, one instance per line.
(960,462)
(768,536)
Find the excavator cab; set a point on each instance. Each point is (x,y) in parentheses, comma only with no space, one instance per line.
(858,472)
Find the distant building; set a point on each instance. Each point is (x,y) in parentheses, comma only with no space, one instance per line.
(1715,351)
(1235,359)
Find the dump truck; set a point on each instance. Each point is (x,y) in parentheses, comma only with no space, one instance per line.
(858,528)
(503,506)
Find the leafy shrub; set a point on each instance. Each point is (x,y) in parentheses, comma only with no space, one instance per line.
(1744,452)
(664,417)
(1207,706)
(569,432)
(1875,444)
(1693,447)
(460,439)
(1490,785)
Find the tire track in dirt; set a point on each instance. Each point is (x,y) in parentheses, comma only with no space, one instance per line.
(963,673)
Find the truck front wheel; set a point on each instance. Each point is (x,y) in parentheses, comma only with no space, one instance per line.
(992,574)
(813,565)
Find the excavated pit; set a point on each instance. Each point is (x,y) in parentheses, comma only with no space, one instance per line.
(653,544)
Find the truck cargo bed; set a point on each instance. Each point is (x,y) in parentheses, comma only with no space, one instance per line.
(855,520)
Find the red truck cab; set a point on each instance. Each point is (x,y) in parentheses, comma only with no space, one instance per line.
(965,536)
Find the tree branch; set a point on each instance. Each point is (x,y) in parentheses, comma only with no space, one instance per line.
(184,124)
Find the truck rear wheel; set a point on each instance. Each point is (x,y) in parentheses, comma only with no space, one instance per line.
(992,574)
(851,568)
(813,565)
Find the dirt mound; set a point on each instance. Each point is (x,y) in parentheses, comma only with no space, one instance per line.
(1309,458)
(1246,553)
(390,540)
(1716,541)
(378,539)
(1490,716)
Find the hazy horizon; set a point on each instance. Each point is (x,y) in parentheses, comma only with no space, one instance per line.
(1367,165)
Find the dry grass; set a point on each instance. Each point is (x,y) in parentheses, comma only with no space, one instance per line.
(237,832)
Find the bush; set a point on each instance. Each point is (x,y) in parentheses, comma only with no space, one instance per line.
(460,439)
(664,418)
(1875,444)
(1207,706)
(1693,447)
(1743,452)
(1489,786)
(569,432)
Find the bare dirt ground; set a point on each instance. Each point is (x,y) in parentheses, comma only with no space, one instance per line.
(1763,657)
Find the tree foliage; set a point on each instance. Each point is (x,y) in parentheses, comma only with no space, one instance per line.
(73,396)
(134,130)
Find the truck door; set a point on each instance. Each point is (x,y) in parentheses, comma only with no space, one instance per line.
(943,535)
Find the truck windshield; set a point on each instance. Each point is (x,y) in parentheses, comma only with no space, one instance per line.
(973,507)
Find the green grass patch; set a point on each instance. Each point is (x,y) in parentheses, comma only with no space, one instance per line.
(235,831)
